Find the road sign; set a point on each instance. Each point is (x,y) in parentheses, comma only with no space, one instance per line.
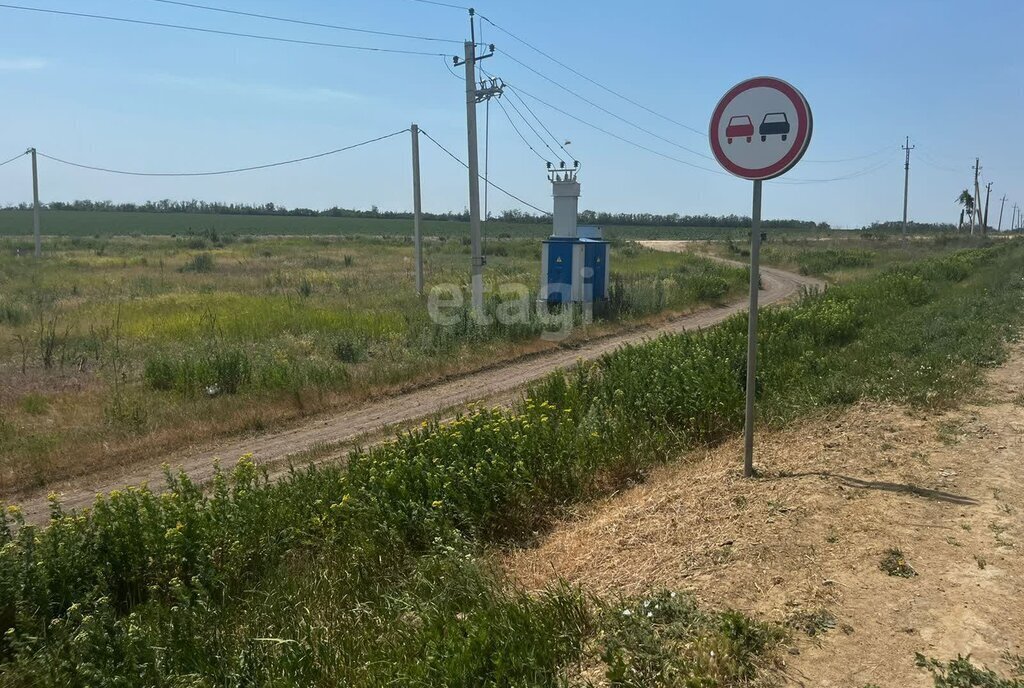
(758,131)
(760,128)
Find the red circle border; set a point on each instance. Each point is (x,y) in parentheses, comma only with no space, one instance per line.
(805,121)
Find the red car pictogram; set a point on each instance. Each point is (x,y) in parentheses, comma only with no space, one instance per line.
(739,127)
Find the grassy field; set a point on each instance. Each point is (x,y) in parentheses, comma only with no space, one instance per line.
(118,347)
(378,573)
(18,223)
(845,257)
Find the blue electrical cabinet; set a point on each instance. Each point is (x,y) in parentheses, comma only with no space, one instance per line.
(595,273)
(559,269)
(574,270)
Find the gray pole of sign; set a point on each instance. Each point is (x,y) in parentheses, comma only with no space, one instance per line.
(755,284)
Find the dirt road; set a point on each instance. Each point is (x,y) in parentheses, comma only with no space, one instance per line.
(369,421)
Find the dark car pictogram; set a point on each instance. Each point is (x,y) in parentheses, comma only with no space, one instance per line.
(739,127)
(772,124)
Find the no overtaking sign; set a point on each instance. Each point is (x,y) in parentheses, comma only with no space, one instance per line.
(759,130)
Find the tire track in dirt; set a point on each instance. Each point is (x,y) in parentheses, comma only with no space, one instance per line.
(371,421)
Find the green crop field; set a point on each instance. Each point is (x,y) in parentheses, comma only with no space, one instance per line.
(76,223)
(378,572)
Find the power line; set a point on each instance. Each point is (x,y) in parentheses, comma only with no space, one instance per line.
(928,160)
(302,22)
(222,172)
(606,110)
(852,175)
(859,157)
(543,126)
(442,4)
(516,129)
(616,136)
(235,34)
(19,155)
(489,183)
(599,85)
(533,129)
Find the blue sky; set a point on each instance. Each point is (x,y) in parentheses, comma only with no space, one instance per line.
(946,73)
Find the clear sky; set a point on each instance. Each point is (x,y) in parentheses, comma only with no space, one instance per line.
(948,74)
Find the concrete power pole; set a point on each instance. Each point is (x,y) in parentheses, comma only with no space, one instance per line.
(474,96)
(977,196)
(906,185)
(1002,202)
(984,218)
(35,205)
(1013,218)
(417,209)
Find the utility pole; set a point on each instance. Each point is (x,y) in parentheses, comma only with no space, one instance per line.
(474,96)
(1002,202)
(984,219)
(1013,219)
(977,196)
(906,185)
(417,208)
(35,205)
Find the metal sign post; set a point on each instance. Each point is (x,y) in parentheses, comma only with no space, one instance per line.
(755,285)
(759,130)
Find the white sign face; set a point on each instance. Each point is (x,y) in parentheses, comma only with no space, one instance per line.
(760,128)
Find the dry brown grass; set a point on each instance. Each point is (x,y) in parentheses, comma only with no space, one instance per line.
(804,540)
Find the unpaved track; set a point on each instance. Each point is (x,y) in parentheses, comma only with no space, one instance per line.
(402,409)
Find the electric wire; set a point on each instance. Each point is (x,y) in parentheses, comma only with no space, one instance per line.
(534,130)
(543,126)
(492,184)
(19,155)
(487,153)
(853,175)
(858,157)
(616,136)
(442,4)
(302,22)
(930,162)
(606,110)
(516,129)
(595,83)
(223,172)
(219,32)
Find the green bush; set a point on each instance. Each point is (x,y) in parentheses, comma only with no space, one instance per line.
(201,262)
(820,262)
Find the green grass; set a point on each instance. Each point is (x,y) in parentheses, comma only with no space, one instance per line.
(847,256)
(963,673)
(18,223)
(213,336)
(376,573)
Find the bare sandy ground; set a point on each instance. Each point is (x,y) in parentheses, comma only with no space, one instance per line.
(325,437)
(803,544)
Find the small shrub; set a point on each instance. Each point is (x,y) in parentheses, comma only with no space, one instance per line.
(962,673)
(201,262)
(812,622)
(348,261)
(895,563)
(12,314)
(348,349)
(35,404)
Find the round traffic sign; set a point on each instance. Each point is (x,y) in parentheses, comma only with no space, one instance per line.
(760,128)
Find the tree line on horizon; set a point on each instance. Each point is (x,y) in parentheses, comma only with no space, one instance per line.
(586,217)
